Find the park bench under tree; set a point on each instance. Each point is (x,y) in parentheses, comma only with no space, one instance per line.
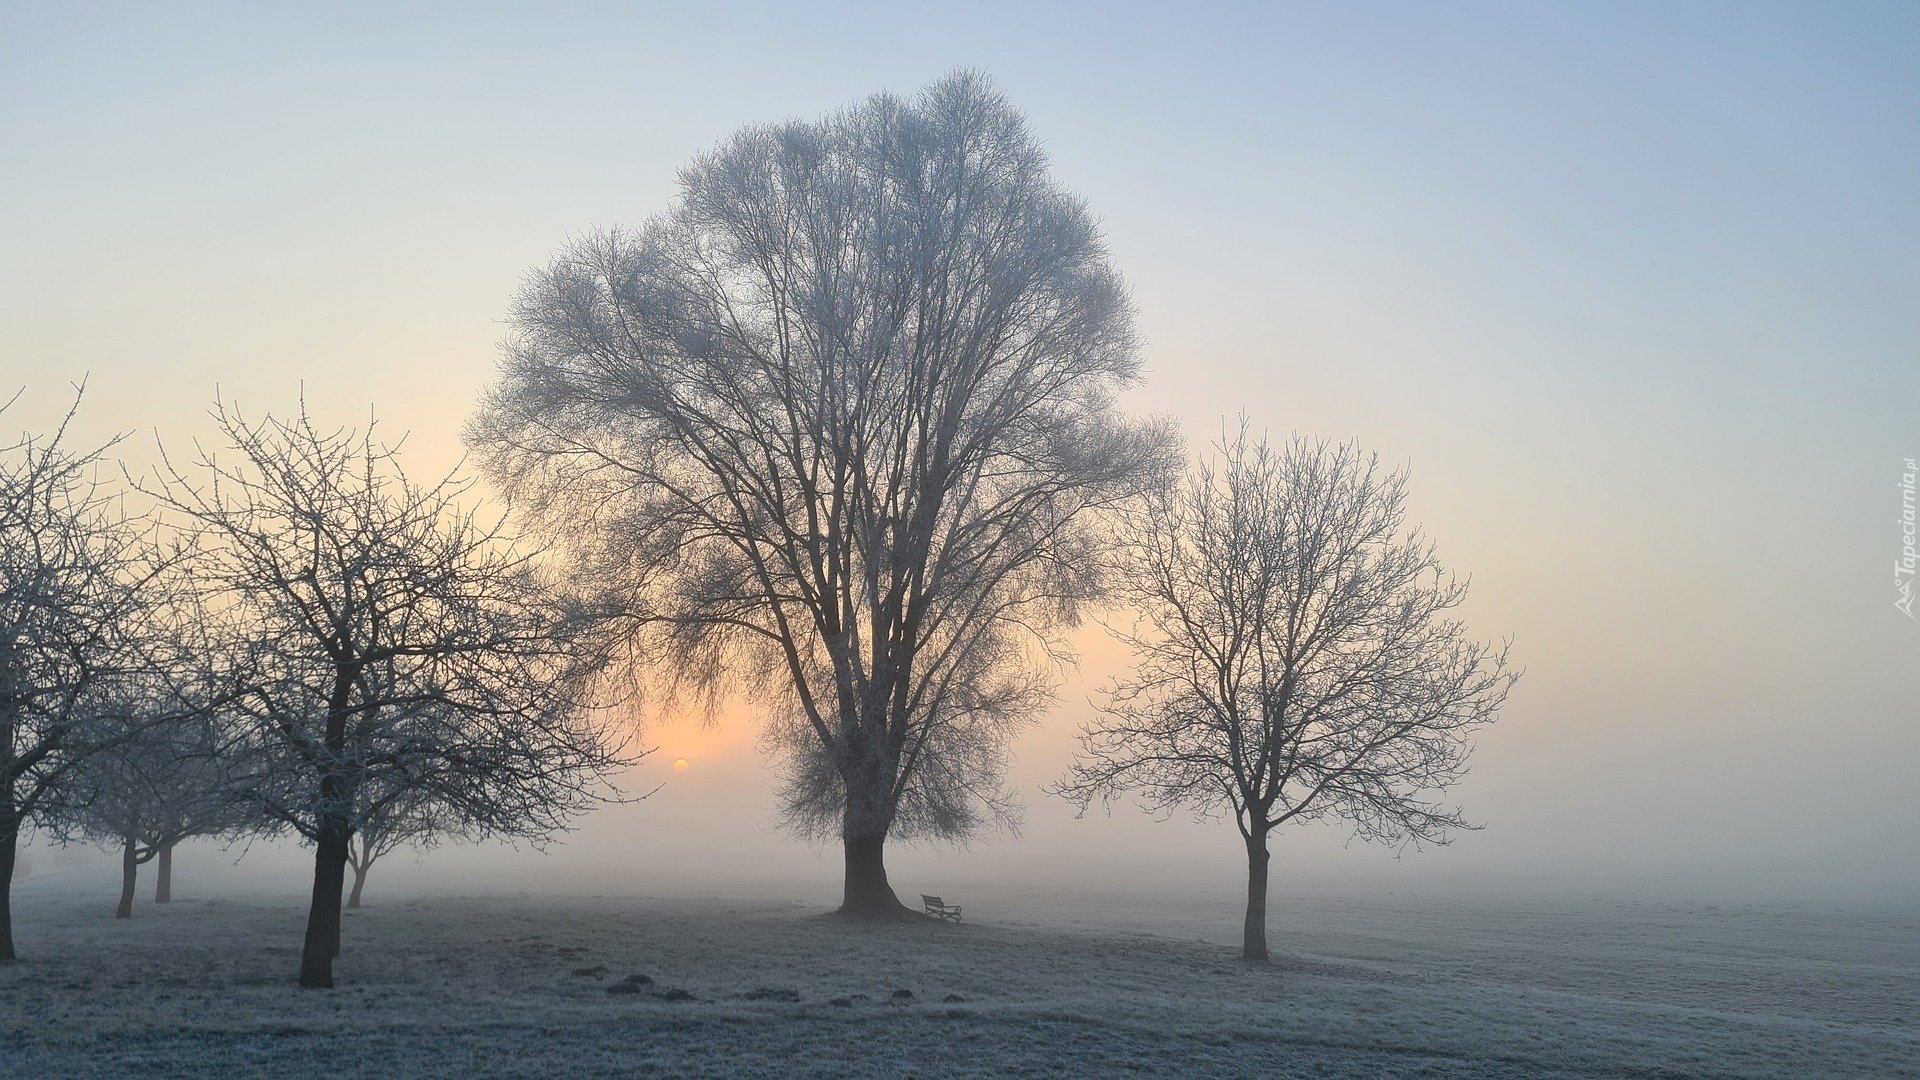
(939,908)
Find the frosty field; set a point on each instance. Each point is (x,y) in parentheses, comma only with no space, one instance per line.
(1035,983)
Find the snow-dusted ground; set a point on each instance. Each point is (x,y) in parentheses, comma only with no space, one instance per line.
(1046,983)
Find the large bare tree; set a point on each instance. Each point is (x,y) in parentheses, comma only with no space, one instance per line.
(1295,657)
(73,607)
(836,424)
(383,640)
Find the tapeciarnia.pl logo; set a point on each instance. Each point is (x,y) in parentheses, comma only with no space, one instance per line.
(1903,566)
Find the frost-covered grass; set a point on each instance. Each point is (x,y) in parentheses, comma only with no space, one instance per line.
(1051,984)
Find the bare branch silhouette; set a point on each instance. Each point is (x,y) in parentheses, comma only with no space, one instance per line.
(837,428)
(385,644)
(75,609)
(1295,658)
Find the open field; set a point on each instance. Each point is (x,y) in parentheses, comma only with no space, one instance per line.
(1052,984)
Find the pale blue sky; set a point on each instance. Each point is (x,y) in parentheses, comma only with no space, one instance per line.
(1634,287)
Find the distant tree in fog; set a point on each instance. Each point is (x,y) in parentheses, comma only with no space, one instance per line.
(383,640)
(390,820)
(836,428)
(74,605)
(1295,659)
(163,784)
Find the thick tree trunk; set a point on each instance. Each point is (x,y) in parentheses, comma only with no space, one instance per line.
(1253,943)
(9,852)
(867,892)
(323,917)
(863,830)
(129,875)
(163,874)
(359,882)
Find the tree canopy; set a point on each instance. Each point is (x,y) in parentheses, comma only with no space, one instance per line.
(840,422)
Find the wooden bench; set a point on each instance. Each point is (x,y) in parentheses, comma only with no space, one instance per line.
(939,908)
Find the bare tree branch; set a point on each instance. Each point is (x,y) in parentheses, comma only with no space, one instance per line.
(75,611)
(385,644)
(1295,657)
(839,426)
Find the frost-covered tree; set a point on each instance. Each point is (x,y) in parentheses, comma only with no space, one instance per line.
(836,427)
(1295,658)
(389,820)
(163,784)
(383,640)
(73,609)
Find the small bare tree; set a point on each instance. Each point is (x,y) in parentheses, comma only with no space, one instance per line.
(73,570)
(164,783)
(384,641)
(374,839)
(390,820)
(837,425)
(1295,659)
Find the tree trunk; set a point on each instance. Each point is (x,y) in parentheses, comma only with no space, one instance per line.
(867,892)
(323,917)
(9,852)
(129,873)
(359,882)
(867,819)
(163,874)
(333,936)
(1253,942)
(330,849)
